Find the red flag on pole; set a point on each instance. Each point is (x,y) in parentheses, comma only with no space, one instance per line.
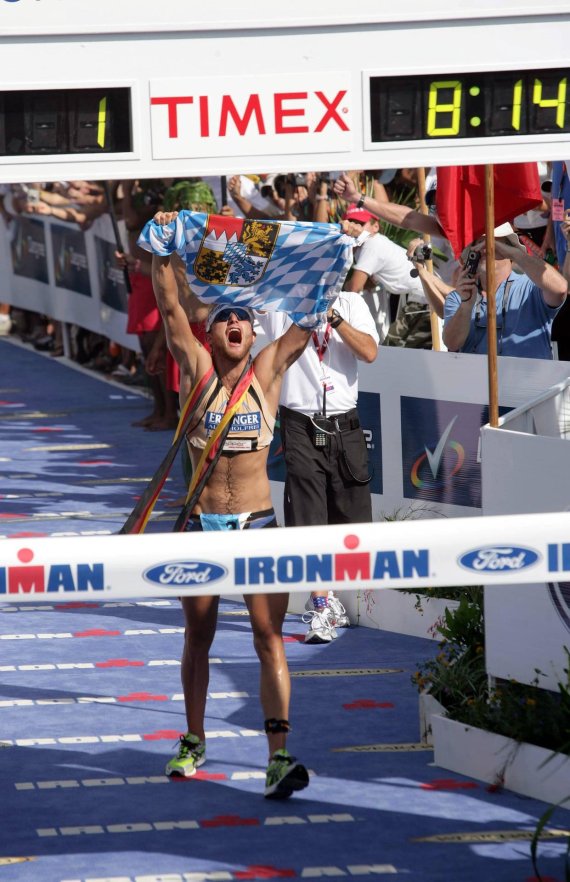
(460,198)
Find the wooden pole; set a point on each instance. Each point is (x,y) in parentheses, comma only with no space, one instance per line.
(435,341)
(491,299)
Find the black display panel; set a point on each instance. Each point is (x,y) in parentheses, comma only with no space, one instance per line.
(60,121)
(474,105)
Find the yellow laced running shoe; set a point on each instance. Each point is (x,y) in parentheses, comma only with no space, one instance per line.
(191,755)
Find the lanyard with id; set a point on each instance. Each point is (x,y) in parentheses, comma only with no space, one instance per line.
(321,349)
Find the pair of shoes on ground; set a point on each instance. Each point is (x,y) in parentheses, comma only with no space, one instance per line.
(284,774)
(324,622)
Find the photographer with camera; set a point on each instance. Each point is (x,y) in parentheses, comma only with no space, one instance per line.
(435,289)
(526,301)
(382,268)
(321,193)
(298,206)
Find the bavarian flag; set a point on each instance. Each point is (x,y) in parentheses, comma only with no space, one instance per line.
(289,266)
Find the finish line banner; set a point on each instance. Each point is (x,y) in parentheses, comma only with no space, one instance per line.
(502,550)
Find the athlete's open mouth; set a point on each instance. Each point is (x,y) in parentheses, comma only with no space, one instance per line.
(234,334)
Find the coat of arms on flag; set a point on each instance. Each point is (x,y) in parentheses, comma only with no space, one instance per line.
(235,252)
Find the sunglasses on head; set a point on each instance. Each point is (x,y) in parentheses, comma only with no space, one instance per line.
(241,314)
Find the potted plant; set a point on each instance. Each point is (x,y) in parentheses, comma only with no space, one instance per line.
(505,733)
(456,675)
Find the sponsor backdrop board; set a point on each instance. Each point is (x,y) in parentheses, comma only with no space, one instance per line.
(28,248)
(436,403)
(57,269)
(422,413)
(71,269)
(528,625)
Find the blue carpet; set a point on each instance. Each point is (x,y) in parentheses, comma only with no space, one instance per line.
(91,708)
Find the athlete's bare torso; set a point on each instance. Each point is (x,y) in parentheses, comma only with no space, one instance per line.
(238,483)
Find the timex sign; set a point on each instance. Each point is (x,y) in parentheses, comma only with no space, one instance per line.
(237,116)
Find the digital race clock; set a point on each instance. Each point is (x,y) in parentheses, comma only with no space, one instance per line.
(65,121)
(474,105)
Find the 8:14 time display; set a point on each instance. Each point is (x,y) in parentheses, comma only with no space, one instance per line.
(474,105)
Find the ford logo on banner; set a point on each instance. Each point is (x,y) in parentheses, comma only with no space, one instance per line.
(184,572)
(499,559)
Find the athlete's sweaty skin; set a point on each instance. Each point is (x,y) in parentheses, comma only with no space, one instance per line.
(238,484)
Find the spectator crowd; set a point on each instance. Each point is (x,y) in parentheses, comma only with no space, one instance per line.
(400,294)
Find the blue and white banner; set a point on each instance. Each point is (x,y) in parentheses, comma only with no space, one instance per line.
(290,266)
(505,550)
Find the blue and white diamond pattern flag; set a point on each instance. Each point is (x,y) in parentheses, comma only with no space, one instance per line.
(289,266)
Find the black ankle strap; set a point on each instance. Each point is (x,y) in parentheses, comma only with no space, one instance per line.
(273,726)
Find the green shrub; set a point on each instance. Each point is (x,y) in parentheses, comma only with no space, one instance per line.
(457,678)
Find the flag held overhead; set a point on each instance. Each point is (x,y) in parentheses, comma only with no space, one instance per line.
(289,266)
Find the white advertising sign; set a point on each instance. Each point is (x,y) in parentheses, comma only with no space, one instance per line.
(240,116)
(79,107)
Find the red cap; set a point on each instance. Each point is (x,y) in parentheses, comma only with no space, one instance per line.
(358,214)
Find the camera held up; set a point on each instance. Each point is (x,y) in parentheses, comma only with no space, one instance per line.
(422,252)
(472,262)
(297,179)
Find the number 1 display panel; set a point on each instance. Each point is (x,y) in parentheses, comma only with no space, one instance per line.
(65,121)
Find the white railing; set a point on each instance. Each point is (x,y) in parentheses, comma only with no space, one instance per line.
(548,414)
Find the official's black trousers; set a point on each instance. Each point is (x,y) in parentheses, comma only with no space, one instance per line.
(325,485)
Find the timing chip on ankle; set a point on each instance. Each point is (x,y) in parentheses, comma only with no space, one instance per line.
(273,726)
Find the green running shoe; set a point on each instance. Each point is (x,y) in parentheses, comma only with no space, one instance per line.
(284,776)
(191,755)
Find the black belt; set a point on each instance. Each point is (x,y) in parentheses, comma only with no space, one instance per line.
(343,421)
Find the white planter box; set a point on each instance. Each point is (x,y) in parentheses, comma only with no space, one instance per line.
(499,760)
(429,707)
(396,611)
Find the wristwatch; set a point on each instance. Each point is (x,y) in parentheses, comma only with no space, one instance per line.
(335,319)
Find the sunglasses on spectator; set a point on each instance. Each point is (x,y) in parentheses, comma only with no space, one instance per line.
(242,315)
